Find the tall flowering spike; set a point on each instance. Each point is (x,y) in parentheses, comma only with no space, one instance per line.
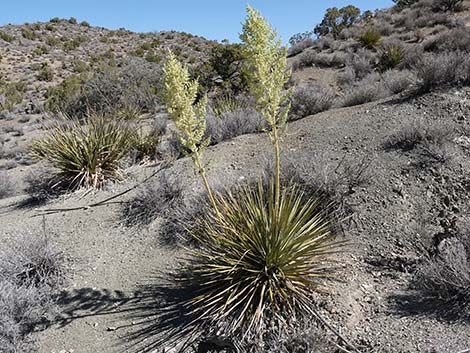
(268,61)
(180,96)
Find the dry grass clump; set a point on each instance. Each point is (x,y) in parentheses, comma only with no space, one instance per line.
(397,81)
(157,199)
(310,100)
(85,154)
(6,185)
(30,271)
(367,90)
(446,275)
(437,70)
(233,123)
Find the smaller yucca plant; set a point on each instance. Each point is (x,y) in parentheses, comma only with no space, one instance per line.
(391,56)
(371,38)
(85,153)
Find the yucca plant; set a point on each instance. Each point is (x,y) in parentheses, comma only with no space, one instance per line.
(391,56)
(370,38)
(257,260)
(261,249)
(85,153)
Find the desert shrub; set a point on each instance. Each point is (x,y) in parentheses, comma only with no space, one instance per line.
(84,24)
(305,59)
(226,104)
(367,90)
(156,199)
(79,66)
(346,77)
(45,73)
(335,20)
(447,5)
(72,20)
(384,28)
(28,34)
(66,97)
(6,185)
(419,133)
(324,42)
(52,41)
(310,100)
(30,271)
(40,50)
(370,38)
(86,154)
(299,46)
(72,44)
(130,87)
(233,123)
(391,56)
(13,94)
(457,39)
(398,81)
(348,33)
(54,20)
(446,275)
(413,55)
(435,70)
(330,60)
(145,147)
(6,37)
(361,63)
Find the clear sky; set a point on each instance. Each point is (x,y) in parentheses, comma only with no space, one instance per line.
(213,19)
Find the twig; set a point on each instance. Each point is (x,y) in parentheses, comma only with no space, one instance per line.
(48,211)
(334,331)
(465,351)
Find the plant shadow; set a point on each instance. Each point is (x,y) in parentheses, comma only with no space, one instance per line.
(417,303)
(151,317)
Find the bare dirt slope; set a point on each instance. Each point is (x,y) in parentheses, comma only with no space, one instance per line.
(409,198)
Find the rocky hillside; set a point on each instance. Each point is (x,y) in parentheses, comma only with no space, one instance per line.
(379,133)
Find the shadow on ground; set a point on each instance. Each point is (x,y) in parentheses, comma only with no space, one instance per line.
(417,303)
(151,316)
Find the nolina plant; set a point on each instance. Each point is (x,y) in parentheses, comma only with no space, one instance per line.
(262,250)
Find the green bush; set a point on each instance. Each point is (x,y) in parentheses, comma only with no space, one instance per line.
(84,24)
(45,73)
(13,93)
(86,154)
(391,56)
(6,37)
(40,50)
(72,20)
(52,41)
(64,97)
(370,38)
(28,34)
(55,20)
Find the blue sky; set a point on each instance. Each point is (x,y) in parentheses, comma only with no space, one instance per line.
(213,19)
